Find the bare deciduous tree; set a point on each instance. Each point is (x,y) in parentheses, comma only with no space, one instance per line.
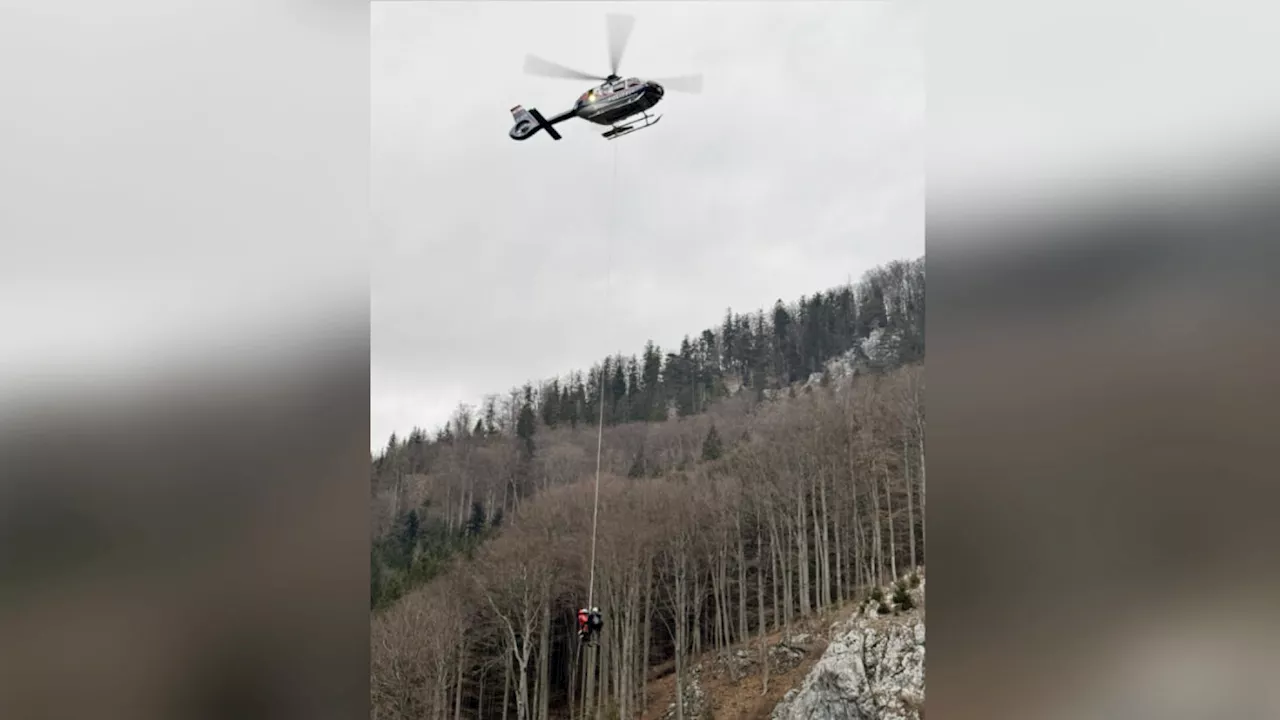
(814,498)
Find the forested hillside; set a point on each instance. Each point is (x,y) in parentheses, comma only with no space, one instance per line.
(746,485)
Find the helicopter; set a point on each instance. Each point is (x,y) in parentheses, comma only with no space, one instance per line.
(621,103)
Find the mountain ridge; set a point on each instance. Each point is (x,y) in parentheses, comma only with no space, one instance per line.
(729,516)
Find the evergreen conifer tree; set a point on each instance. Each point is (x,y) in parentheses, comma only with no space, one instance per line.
(712,448)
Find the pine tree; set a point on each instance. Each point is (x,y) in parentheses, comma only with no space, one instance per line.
(476,523)
(618,387)
(814,337)
(650,379)
(551,404)
(608,398)
(672,381)
(491,415)
(845,320)
(636,408)
(591,396)
(746,350)
(711,445)
(782,342)
(526,424)
(685,379)
(568,407)
(762,356)
(410,531)
(709,368)
(729,343)
(580,403)
(871,310)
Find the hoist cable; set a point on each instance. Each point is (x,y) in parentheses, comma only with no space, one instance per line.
(595,510)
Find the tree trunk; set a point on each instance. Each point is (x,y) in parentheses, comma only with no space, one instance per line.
(575,668)
(743,631)
(522,692)
(696,620)
(682,617)
(440,703)
(802,549)
(875,524)
(859,547)
(924,519)
(819,552)
(626,647)
(544,657)
(781,605)
(893,543)
(604,647)
(911,505)
(589,682)
(837,536)
(825,526)
(506,685)
(717,634)
(448,502)
(764,645)
(725,597)
(648,625)
(631,643)
(850,446)
(457,695)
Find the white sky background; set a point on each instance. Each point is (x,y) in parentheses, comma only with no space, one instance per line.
(800,164)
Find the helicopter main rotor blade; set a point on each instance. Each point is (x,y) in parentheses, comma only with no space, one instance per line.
(535,65)
(684,83)
(619,27)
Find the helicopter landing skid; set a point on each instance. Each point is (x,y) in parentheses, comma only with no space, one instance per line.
(620,130)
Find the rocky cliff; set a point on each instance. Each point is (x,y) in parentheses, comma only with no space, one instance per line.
(873,668)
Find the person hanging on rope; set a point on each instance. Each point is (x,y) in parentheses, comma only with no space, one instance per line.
(589,624)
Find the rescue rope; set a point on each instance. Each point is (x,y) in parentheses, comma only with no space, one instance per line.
(595,510)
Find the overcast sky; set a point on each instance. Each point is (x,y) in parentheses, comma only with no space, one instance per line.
(497,262)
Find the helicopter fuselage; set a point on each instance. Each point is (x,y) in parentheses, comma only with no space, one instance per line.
(609,104)
(617,100)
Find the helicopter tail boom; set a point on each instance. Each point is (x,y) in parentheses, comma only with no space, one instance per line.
(529,122)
